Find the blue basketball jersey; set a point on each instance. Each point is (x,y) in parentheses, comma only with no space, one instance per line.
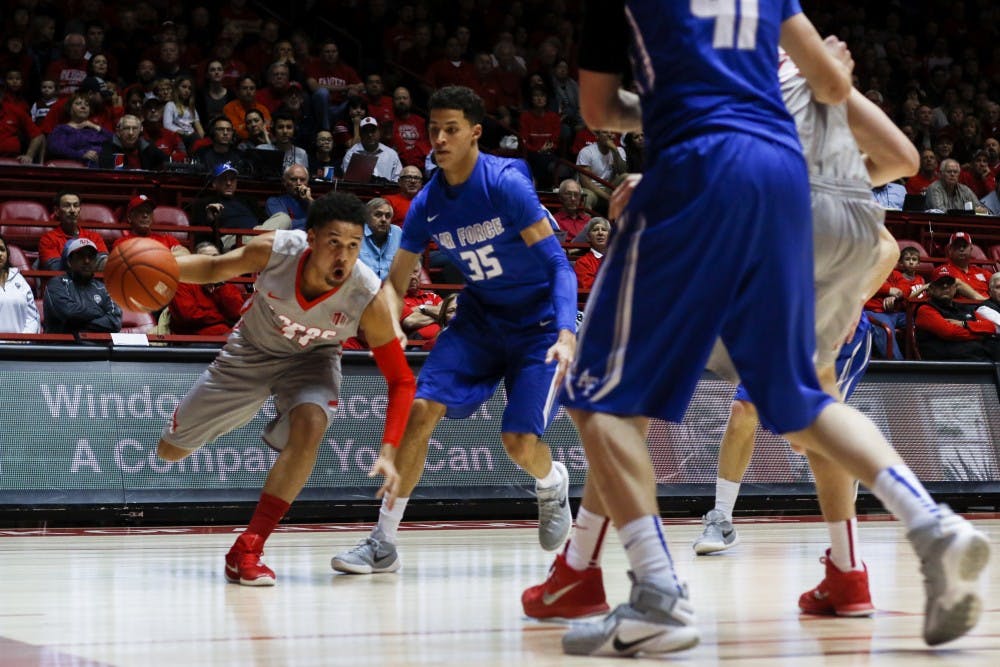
(478,225)
(703,66)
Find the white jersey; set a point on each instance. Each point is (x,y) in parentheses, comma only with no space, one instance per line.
(827,143)
(280,321)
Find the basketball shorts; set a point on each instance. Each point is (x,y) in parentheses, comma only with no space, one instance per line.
(471,357)
(846,226)
(232,389)
(716,243)
(851,363)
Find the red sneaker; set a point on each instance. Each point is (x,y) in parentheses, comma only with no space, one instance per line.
(566,593)
(839,594)
(243,564)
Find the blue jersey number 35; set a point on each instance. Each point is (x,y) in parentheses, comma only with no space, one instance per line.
(481,263)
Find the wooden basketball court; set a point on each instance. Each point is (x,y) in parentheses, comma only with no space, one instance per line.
(156,596)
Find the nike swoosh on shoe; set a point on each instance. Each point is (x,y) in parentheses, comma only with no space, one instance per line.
(622,647)
(552,598)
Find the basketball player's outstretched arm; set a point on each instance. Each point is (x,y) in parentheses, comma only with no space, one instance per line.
(208,269)
(381,327)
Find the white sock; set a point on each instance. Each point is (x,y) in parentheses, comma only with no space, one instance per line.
(844,544)
(903,495)
(584,549)
(552,479)
(725,496)
(388,520)
(647,552)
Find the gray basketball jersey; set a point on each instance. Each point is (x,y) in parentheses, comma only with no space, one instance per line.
(829,147)
(280,321)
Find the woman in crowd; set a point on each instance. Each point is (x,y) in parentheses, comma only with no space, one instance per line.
(18,313)
(78,138)
(214,95)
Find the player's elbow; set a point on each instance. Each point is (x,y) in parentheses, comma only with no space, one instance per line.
(907,158)
(834,89)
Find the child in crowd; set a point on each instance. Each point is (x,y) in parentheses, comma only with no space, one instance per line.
(888,306)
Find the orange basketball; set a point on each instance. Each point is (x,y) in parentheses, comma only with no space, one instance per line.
(141,274)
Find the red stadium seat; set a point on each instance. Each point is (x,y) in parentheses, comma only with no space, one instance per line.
(994,252)
(23,211)
(977,253)
(171,215)
(95,217)
(133,322)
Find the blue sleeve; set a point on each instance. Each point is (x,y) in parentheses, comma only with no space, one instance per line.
(790,9)
(550,253)
(517,200)
(415,233)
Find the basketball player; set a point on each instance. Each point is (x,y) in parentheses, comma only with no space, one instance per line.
(712,112)
(311,295)
(516,315)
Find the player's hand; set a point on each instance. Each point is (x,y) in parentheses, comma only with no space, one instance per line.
(562,352)
(622,194)
(384,465)
(838,49)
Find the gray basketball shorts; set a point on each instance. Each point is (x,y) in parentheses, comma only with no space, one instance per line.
(847,223)
(232,389)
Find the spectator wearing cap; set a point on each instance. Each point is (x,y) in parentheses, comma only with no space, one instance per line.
(15,123)
(283,139)
(947,194)
(946,330)
(139,217)
(410,181)
(168,142)
(224,209)
(52,244)
(127,149)
(222,148)
(973,280)
(387,165)
(297,198)
(77,301)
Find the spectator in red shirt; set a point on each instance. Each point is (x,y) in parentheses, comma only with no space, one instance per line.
(139,216)
(540,129)
(888,306)
(928,173)
(103,111)
(571,217)
(421,309)
(409,131)
(170,143)
(15,124)
(973,279)
(52,242)
(273,94)
(947,330)
(411,179)
(598,232)
(70,70)
(978,177)
(449,70)
(485,82)
(379,105)
(206,310)
(330,82)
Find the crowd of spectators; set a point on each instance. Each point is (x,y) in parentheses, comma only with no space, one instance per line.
(241,89)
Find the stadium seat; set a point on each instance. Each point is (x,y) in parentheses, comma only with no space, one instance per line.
(977,253)
(66,164)
(925,266)
(95,217)
(133,322)
(994,252)
(21,211)
(171,215)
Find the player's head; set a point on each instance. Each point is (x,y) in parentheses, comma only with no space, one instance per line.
(335,228)
(456,114)
(909,259)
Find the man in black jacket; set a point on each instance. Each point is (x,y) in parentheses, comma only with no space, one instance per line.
(77,301)
(128,150)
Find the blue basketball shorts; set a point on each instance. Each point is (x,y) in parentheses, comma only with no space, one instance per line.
(471,357)
(716,243)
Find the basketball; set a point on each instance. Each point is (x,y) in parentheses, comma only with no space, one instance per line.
(141,274)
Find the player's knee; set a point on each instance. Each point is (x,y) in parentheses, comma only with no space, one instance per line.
(742,411)
(310,421)
(519,445)
(169,452)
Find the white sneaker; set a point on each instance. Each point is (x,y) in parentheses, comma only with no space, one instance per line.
(719,534)
(952,556)
(555,517)
(370,556)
